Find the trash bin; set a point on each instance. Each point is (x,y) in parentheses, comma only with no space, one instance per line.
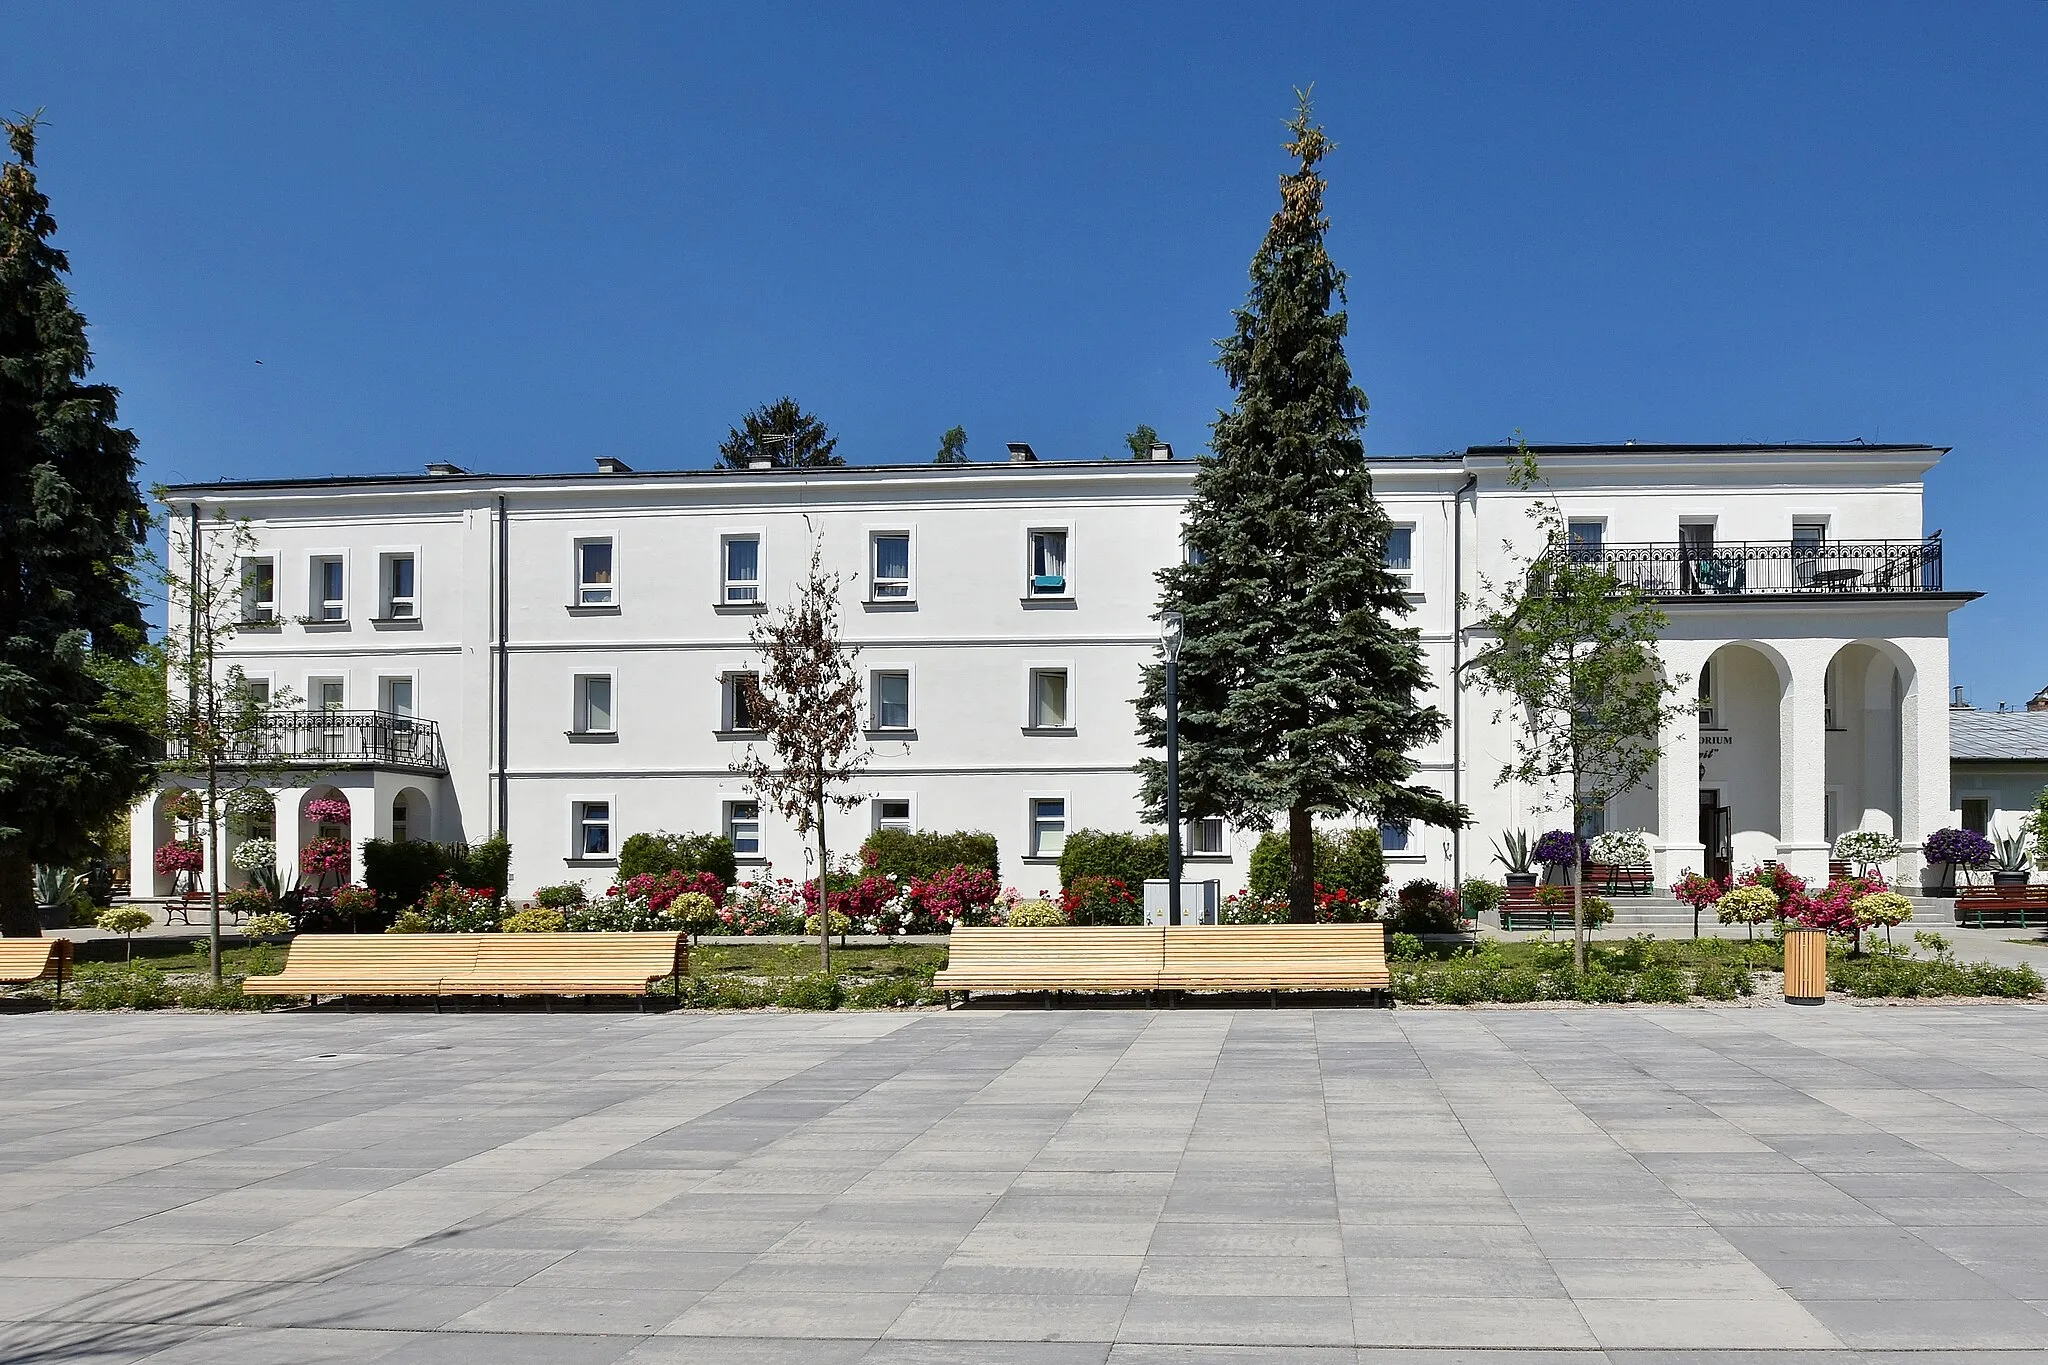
(1806,967)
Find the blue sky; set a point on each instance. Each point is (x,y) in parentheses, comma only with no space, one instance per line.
(520,236)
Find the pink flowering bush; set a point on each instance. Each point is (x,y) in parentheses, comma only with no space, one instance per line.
(327,810)
(1697,891)
(180,855)
(1833,909)
(958,895)
(324,857)
(660,889)
(353,900)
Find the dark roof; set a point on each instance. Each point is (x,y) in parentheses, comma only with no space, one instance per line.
(1743,447)
(1998,736)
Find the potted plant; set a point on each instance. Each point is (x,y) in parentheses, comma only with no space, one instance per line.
(1511,851)
(1560,848)
(56,888)
(1867,851)
(2014,853)
(1957,848)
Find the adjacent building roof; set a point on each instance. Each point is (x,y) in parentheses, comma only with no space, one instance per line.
(1997,736)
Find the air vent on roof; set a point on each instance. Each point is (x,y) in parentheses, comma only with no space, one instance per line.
(1021,453)
(442,467)
(609,464)
(761,462)
(1161,451)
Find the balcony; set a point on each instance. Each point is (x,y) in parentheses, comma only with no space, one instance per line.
(336,739)
(1684,571)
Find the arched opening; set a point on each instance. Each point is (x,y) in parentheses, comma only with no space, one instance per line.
(1865,701)
(326,847)
(412,816)
(1741,691)
(251,838)
(173,831)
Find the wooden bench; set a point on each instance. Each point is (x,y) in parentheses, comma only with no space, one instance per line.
(1530,915)
(25,960)
(2003,907)
(441,965)
(1616,879)
(1220,957)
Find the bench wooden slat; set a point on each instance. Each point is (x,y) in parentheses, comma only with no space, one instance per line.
(1066,959)
(23,960)
(473,964)
(1276,957)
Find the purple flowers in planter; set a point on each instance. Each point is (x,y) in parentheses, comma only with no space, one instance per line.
(1560,848)
(1959,848)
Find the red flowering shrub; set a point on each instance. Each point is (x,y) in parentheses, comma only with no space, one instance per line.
(1100,900)
(660,889)
(958,895)
(1833,909)
(324,856)
(326,810)
(1697,891)
(179,856)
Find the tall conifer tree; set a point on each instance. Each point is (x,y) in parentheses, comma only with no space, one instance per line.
(71,520)
(1297,681)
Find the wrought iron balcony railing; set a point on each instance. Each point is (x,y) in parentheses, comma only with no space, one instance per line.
(335,739)
(1772,568)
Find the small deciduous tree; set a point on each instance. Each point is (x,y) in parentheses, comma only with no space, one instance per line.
(1572,658)
(952,447)
(781,433)
(807,699)
(1141,442)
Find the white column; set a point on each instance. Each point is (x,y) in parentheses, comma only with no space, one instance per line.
(1803,763)
(1923,754)
(142,848)
(1678,770)
(286,801)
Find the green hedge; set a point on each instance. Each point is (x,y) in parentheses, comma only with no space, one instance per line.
(1347,858)
(663,852)
(1132,859)
(400,873)
(923,853)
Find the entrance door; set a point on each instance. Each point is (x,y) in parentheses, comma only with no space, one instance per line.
(1717,833)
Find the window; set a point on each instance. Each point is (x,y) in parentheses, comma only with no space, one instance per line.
(1593,821)
(329,601)
(1207,836)
(256,691)
(593,829)
(1190,553)
(1830,715)
(1401,555)
(594,704)
(401,820)
(1394,836)
(1977,814)
(1807,539)
(892,700)
(1830,824)
(594,581)
(259,592)
(739,703)
(742,556)
(743,827)
(892,812)
(400,604)
(1048,564)
(395,696)
(1048,826)
(1707,719)
(326,694)
(1585,538)
(891,576)
(1049,699)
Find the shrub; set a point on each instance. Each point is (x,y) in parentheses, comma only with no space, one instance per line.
(694,913)
(716,993)
(1348,859)
(1598,986)
(1751,905)
(1036,915)
(817,991)
(1405,948)
(1252,907)
(354,900)
(540,919)
(1697,891)
(953,895)
(452,909)
(247,900)
(1620,848)
(841,924)
(400,873)
(1661,985)
(907,854)
(269,924)
(1886,908)
(1482,897)
(1100,901)
(1865,849)
(324,856)
(1423,907)
(892,992)
(561,896)
(1595,910)
(410,922)
(660,852)
(1132,859)
(482,867)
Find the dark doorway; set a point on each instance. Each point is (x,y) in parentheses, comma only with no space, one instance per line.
(1717,833)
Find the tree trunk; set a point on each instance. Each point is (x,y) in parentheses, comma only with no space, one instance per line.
(18,915)
(1579,917)
(1301,866)
(824,899)
(213,843)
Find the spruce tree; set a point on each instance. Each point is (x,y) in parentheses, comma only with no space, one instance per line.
(71,522)
(781,433)
(1298,683)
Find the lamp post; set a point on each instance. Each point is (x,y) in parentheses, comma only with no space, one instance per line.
(1172,630)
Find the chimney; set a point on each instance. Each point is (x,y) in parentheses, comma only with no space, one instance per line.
(1021,453)
(1161,451)
(1956,702)
(2039,701)
(441,468)
(609,464)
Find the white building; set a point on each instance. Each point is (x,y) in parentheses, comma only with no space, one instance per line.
(552,655)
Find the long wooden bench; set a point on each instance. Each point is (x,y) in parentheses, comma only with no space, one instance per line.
(441,965)
(26,960)
(1620,879)
(1219,957)
(2003,907)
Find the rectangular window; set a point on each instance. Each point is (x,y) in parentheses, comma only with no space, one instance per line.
(742,555)
(891,577)
(1808,537)
(1207,835)
(1049,699)
(401,820)
(259,592)
(739,703)
(1048,564)
(1585,538)
(1394,836)
(326,694)
(1977,814)
(1593,821)
(892,700)
(1048,826)
(330,603)
(257,691)
(594,704)
(743,827)
(593,829)
(1829,817)
(400,604)
(397,696)
(1190,553)
(1401,554)
(595,586)
(892,812)
(1706,712)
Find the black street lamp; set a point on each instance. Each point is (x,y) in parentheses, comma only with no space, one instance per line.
(1171,632)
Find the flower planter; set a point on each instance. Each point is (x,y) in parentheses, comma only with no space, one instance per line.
(2009,878)
(53,916)
(1521,879)
(1806,967)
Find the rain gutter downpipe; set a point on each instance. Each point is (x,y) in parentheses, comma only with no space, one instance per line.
(504,662)
(1457,678)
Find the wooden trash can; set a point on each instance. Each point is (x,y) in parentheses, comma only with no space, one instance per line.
(1806,967)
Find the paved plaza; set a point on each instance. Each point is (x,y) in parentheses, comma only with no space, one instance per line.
(1025,1186)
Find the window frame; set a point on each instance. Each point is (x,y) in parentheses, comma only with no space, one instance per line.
(1707,710)
(729,701)
(1032,592)
(1033,852)
(875,727)
(1033,670)
(316,599)
(580,822)
(1189,841)
(875,595)
(909,800)
(411,679)
(388,557)
(248,602)
(579,702)
(1407,575)
(727,821)
(580,588)
(726,538)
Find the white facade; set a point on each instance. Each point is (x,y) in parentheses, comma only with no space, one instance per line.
(1004,613)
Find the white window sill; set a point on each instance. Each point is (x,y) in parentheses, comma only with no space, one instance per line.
(886,735)
(739,608)
(593,609)
(1047,600)
(606,861)
(1056,730)
(889,604)
(310,624)
(395,622)
(592,736)
(740,736)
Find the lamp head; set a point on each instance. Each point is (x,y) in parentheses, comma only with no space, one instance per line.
(1172,630)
